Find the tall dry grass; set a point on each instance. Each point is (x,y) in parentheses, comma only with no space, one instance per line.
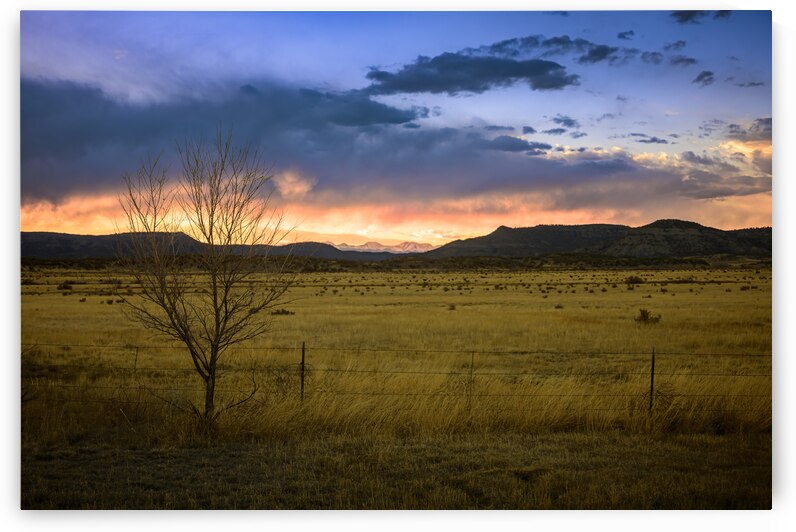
(415,353)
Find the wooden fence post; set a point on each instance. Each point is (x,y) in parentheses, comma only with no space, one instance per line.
(302,372)
(652,379)
(472,384)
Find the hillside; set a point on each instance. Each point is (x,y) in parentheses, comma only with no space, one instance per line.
(533,241)
(660,239)
(43,245)
(663,239)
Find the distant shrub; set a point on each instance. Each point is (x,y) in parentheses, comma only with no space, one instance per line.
(559,306)
(109,301)
(66,285)
(645,317)
(634,279)
(451,306)
(282,312)
(28,281)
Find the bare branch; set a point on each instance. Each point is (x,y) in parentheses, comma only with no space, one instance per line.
(214,226)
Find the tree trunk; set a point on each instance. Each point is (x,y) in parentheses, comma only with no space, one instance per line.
(210,395)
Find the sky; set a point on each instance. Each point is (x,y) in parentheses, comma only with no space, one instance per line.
(422,127)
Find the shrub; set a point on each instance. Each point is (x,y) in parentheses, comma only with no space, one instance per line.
(282,312)
(451,307)
(645,317)
(634,279)
(66,285)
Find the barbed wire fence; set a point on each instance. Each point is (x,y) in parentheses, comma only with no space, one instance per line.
(297,379)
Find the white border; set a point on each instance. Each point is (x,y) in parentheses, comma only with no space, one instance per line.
(784,444)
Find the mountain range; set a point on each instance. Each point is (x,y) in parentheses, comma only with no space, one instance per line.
(660,239)
(403,247)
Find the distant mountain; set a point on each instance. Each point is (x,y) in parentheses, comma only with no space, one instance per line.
(676,238)
(533,241)
(42,245)
(318,250)
(660,239)
(403,247)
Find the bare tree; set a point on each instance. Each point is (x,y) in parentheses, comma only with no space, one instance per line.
(199,290)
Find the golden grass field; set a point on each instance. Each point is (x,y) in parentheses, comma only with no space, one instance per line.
(422,390)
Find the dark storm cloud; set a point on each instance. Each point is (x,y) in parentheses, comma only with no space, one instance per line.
(698,184)
(555,131)
(681,60)
(585,52)
(705,160)
(564,44)
(453,73)
(75,136)
(688,17)
(589,52)
(760,129)
(577,134)
(625,35)
(652,57)
(704,78)
(674,46)
(528,130)
(498,128)
(722,14)
(750,84)
(596,54)
(508,47)
(506,143)
(76,140)
(647,139)
(566,121)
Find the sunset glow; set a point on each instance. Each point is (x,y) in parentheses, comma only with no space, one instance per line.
(513,119)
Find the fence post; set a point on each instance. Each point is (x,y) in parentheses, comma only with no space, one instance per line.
(472,384)
(652,379)
(302,372)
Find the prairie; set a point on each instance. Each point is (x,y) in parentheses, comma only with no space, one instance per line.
(472,389)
